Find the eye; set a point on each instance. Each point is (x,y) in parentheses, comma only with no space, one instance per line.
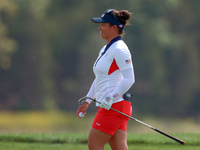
(101,25)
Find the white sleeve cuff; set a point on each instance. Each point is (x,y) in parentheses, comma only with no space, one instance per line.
(88,101)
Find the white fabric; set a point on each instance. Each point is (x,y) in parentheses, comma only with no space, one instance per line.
(117,82)
(126,83)
(91,92)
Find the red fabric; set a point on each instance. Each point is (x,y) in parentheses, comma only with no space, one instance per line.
(113,67)
(109,121)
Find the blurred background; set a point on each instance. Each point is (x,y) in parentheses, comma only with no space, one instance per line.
(48,47)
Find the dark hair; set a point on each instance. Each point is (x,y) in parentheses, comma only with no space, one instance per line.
(123,17)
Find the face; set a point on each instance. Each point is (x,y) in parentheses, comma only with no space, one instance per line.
(105,30)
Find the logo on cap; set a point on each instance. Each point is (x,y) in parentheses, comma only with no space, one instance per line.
(120,25)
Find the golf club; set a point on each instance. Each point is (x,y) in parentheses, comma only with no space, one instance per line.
(82,100)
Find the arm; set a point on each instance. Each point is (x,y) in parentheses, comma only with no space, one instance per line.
(91,92)
(124,86)
(124,62)
(126,83)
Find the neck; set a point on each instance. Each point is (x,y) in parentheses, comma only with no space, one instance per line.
(112,37)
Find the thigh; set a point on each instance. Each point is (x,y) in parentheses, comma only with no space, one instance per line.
(119,140)
(97,139)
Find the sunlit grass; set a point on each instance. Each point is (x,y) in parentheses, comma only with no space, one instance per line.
(57,121)
(37,121)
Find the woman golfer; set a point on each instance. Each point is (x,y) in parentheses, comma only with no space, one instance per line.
(114,76)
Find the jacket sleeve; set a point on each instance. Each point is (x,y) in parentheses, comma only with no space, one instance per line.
(91,92)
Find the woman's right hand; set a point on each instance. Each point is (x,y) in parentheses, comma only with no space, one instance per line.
(82,109)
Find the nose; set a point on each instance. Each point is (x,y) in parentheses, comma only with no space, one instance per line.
(99,27)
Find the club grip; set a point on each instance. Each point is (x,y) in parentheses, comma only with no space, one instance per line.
(177,140)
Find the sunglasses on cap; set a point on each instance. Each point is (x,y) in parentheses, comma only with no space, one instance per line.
(108,18)
(112,12)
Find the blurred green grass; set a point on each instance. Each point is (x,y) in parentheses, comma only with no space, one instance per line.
(61,141)
(81,138)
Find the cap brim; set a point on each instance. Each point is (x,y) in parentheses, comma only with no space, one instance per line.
(98,20)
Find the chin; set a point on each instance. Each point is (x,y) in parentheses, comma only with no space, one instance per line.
(102,36)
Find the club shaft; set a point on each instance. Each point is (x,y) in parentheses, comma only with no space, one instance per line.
(132,118)
(169,136)
(129,116)
(161,132)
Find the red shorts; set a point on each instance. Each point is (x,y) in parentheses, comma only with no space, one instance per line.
(109,121)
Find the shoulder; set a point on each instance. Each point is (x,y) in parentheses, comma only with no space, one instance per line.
(120,45)
(120,48)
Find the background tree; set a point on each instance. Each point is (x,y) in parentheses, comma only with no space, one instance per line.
(47,50)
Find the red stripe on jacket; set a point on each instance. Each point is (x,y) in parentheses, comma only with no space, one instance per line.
(113,67)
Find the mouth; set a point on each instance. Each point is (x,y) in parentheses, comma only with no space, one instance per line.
(100,32)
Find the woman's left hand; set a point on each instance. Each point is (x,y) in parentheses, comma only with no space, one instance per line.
(107,102)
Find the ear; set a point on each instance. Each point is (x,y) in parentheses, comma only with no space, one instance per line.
(114,27)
